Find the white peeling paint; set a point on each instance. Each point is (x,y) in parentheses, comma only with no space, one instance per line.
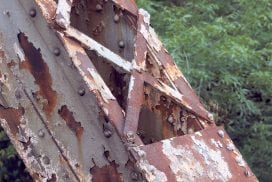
(101,86)
(131,86)
(63,13)
(151,38)
(218,169)
(182,162)
(91,44)
(19,51)
(146,15)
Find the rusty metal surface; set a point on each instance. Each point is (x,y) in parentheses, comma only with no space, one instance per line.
(207,155)
(89,93)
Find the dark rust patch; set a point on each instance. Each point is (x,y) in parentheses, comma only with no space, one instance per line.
(12,117)
(35,64)
(107,173)
(70,121)
(11,64)
(53,178)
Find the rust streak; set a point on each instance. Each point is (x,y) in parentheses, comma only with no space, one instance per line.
(107,173)
(12,117)
(71,122)
(35,64)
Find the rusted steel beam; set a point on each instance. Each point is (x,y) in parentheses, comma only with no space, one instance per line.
(89,93)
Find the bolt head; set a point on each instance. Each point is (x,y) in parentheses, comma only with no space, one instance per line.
(81,91)
(221,133)
(32,12)
(121,44)
(230,147)
(57,51)
(107,133)
(46,160)
(98,7)
(41,133)
(134,176)
(170,119)
(116,18)
(247,173)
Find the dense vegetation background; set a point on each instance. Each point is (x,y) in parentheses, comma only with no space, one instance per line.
(224,48)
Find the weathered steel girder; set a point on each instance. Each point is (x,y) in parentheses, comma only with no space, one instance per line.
(89,93)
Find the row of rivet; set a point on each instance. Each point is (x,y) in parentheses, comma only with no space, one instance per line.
(230,147)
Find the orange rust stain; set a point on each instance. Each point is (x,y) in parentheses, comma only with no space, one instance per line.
(12,117)
(107,173)
(35,64)
(70,121)
(173,71)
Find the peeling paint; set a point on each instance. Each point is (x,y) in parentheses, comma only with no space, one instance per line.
(63,13)
(218,167)
(35,64)
(68,117)
(182,161)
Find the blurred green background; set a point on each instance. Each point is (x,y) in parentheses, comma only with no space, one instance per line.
(224,48)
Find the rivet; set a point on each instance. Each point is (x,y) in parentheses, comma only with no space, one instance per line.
(134,176)
(170,119)
(121,44)
(81,91)
(230,147)
(23,122)
(32,12)
(98,7)
(221,133)
(210,116)
(130,136)
(57,51)
(46,160)
(41,133)
(141,154)
(116,18)
(247,173)
(107,133)
(18,94)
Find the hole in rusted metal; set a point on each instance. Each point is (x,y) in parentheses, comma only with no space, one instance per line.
(35,64)
(68,117)
(103,28)
(12,117)
(162,118)
(115,80)
(53,178)
(106,173)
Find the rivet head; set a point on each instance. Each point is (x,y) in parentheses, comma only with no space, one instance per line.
(98,7)
(41,133)
(81,91)
(121,44)
(107,133)
(134,176)
(170,119)
(221,133)
(130,136)
(116,18)
(46,160)
(57,51)
(32,12)
(247,173)
(230,147)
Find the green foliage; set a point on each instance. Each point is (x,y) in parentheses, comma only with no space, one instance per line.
(224,48)
(11,167)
